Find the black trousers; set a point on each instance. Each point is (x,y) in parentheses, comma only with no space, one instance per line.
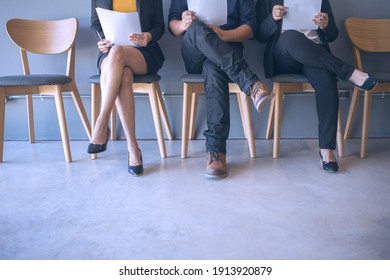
(218,62)
(294,53)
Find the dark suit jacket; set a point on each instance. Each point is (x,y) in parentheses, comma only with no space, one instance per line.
(268,30)
(151,19)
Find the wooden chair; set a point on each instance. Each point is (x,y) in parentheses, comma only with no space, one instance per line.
(148,84)
(43,37)
(193,86)
(286,83)
(373,36)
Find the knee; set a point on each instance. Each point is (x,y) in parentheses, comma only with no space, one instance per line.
(195,29)
(290,36)
(116,55)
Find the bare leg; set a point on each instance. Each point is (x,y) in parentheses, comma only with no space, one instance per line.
(126,110)
(118,70)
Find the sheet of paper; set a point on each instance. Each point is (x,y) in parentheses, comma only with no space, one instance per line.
(117,26)
(209,11)
(300,14)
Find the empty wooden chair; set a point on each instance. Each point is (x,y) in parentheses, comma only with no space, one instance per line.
(44,38)
(373,36)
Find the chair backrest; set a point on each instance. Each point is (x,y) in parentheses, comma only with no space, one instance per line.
(369,35)
(44,37)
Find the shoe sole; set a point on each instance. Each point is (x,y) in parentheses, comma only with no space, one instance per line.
(216,176)
(264,102)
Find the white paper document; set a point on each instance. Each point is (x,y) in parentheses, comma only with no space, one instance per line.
(300,14)
(209,11)
(117,26)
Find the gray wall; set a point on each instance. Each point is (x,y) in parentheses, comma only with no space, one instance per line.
(297,122)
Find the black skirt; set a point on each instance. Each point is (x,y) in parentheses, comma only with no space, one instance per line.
(152,66)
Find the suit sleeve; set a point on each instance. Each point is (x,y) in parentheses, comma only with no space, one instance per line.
(248,14)
(158,24)
(175,11)
(331,32)
(95,23)
(267,27)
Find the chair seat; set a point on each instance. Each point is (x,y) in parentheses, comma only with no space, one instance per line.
(382,77)
(192,78)
(195,79)
(35,80)
(147,79)
(289,78)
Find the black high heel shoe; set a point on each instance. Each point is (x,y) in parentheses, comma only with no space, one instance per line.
(98,148)
(330,166)
(135,170)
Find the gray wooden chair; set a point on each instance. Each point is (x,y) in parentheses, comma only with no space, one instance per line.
(372,36)
(43,38)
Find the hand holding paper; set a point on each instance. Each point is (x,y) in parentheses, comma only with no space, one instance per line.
(212,12)
(104,45)
(118,26)
(141,39)
(300,14)
(321,20)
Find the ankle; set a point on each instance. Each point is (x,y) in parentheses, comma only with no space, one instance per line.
(135,157)
(358,77)
(327,155)
(99,136)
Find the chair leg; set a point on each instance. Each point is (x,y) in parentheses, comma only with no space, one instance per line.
(241,110)
(187,97)
(113,123)
(2,117)
(366,122)
(351,113)
(156,117)
(163,112)
(81,110)
(95,104)
(246,120)
(95,108)
(277,118)
(30,118)
(270,123)
(62,122)
(340,140)
(194,110)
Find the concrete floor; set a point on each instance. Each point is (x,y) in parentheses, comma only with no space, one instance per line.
(266,209)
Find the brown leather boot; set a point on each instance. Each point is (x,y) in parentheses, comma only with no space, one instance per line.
(260,95)
(216,165)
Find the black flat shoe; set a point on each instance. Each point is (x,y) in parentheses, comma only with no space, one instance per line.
(330,166)
(98,148)
(369,83)
(135,170)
